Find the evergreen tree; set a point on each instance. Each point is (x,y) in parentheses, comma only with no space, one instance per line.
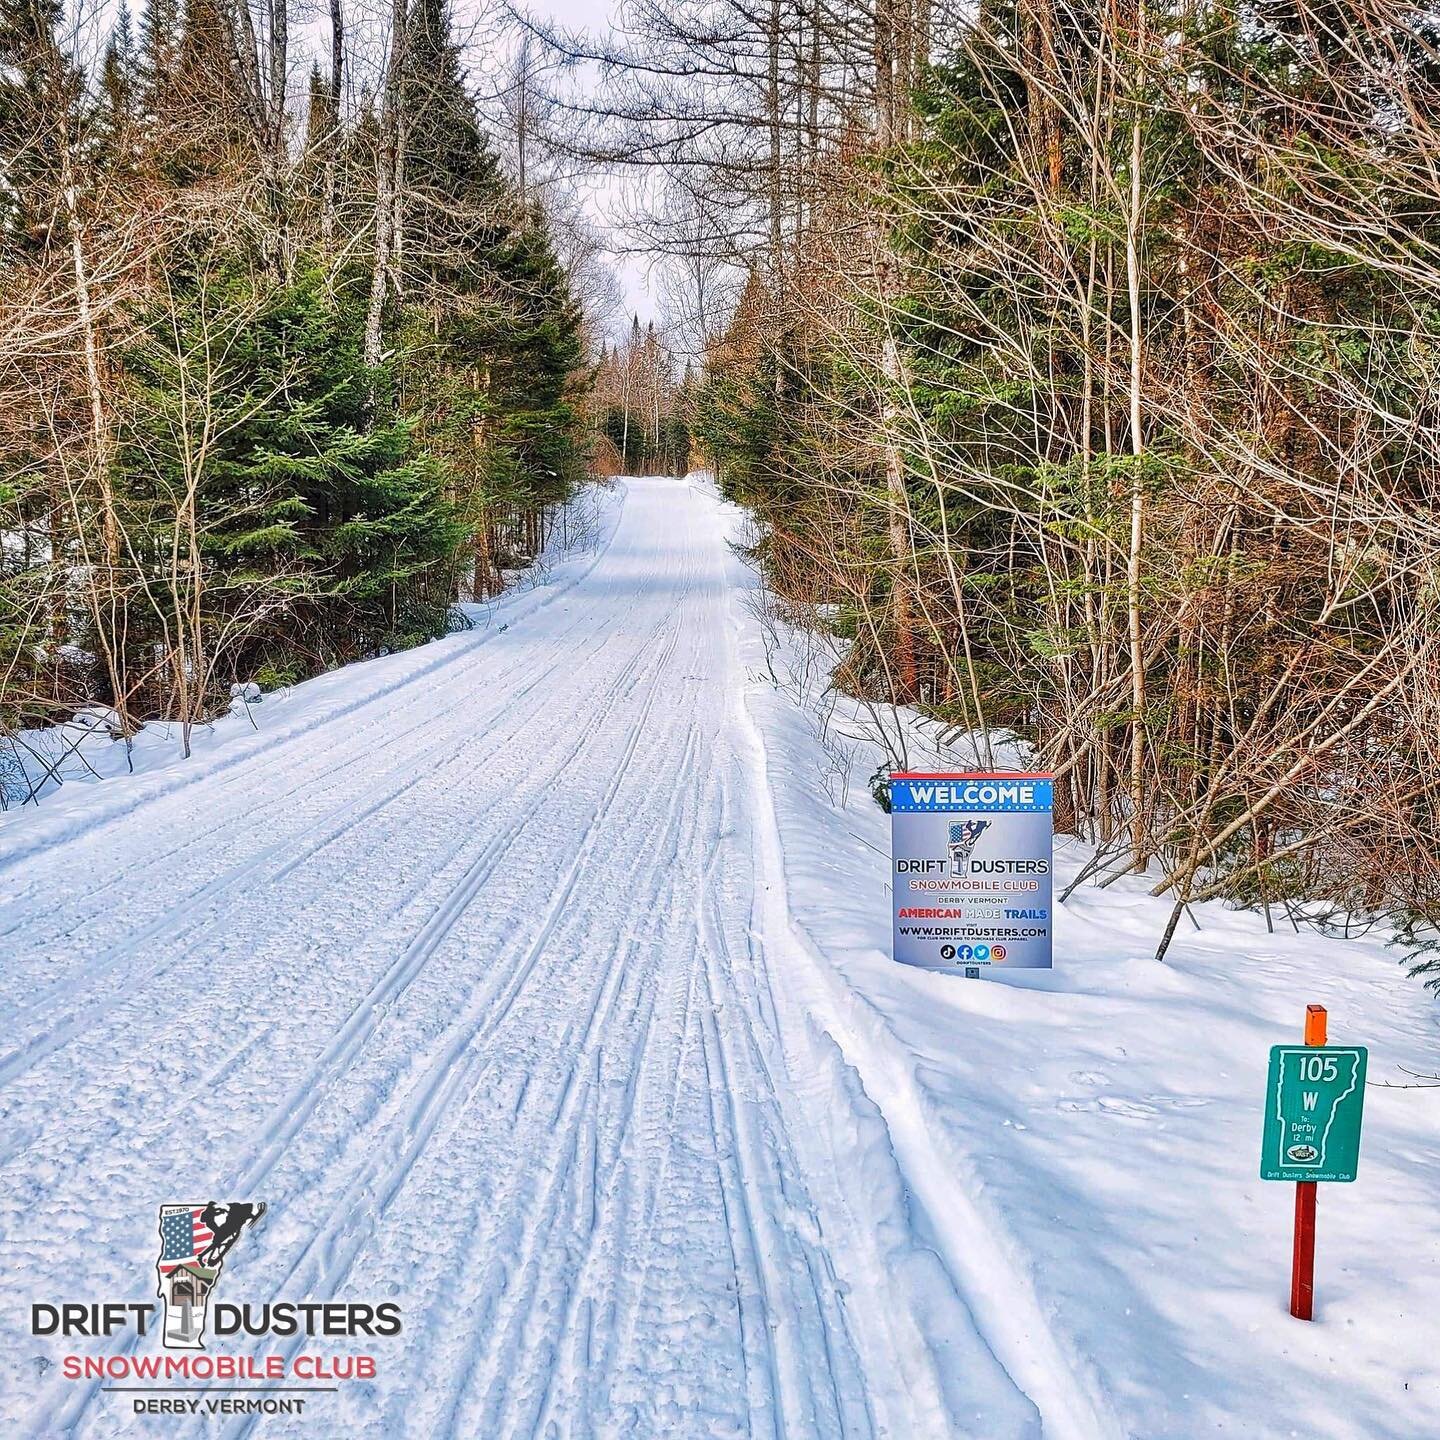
(117,112)
(197,130)
(319,534)
(158,58)
(320,117)
(41,98)
(493,305)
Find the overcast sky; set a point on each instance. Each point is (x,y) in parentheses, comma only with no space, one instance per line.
(486,60)
(600,197)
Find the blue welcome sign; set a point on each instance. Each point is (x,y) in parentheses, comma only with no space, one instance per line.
(972,862)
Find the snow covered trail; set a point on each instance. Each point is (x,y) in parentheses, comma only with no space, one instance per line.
(485,986)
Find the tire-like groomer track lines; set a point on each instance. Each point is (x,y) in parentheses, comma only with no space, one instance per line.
(664,1109)
(644,990)
(305,790)
(589,994)
(325,752)
(189,916)
(744,1093)
(572,1128)
(350,1039)
(411,1116)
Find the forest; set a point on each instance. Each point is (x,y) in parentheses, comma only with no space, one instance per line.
(278,381)
(1080,362)
(1077,361)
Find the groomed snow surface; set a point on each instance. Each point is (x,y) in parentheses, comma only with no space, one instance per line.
(537,980)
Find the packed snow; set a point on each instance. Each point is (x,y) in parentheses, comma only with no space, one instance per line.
(537,981)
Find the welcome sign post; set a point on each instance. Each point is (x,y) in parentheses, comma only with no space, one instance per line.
(971,860)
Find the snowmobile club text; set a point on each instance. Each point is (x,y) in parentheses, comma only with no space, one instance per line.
(199,1366)
(330,1318)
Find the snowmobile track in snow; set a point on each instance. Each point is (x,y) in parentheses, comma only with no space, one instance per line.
(481,987)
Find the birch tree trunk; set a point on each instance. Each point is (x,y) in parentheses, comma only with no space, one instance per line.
(890,105)
(387,160)
(775,122)
(106,595)
(1134,573)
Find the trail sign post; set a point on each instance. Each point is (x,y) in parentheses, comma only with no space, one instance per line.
(970,870)
(1315,1097)
(1314,1101)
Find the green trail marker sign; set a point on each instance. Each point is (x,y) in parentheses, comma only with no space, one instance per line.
(1313,1103)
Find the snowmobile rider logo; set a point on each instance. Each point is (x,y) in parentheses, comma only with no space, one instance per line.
(963,838)
(194,1241)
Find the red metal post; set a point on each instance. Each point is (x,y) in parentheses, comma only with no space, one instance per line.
(1302,1265)
(1302,1269)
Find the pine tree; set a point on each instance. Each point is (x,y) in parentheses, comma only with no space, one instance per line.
(197,132)
(320,535)
(503,329)
(158,58)
(460,201)
(117,111)
(41,98)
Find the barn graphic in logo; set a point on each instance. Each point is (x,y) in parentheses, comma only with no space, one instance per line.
(962,844)
(194,1241)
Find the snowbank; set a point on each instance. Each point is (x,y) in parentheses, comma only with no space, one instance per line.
(1081,1146)
(1036,1193)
